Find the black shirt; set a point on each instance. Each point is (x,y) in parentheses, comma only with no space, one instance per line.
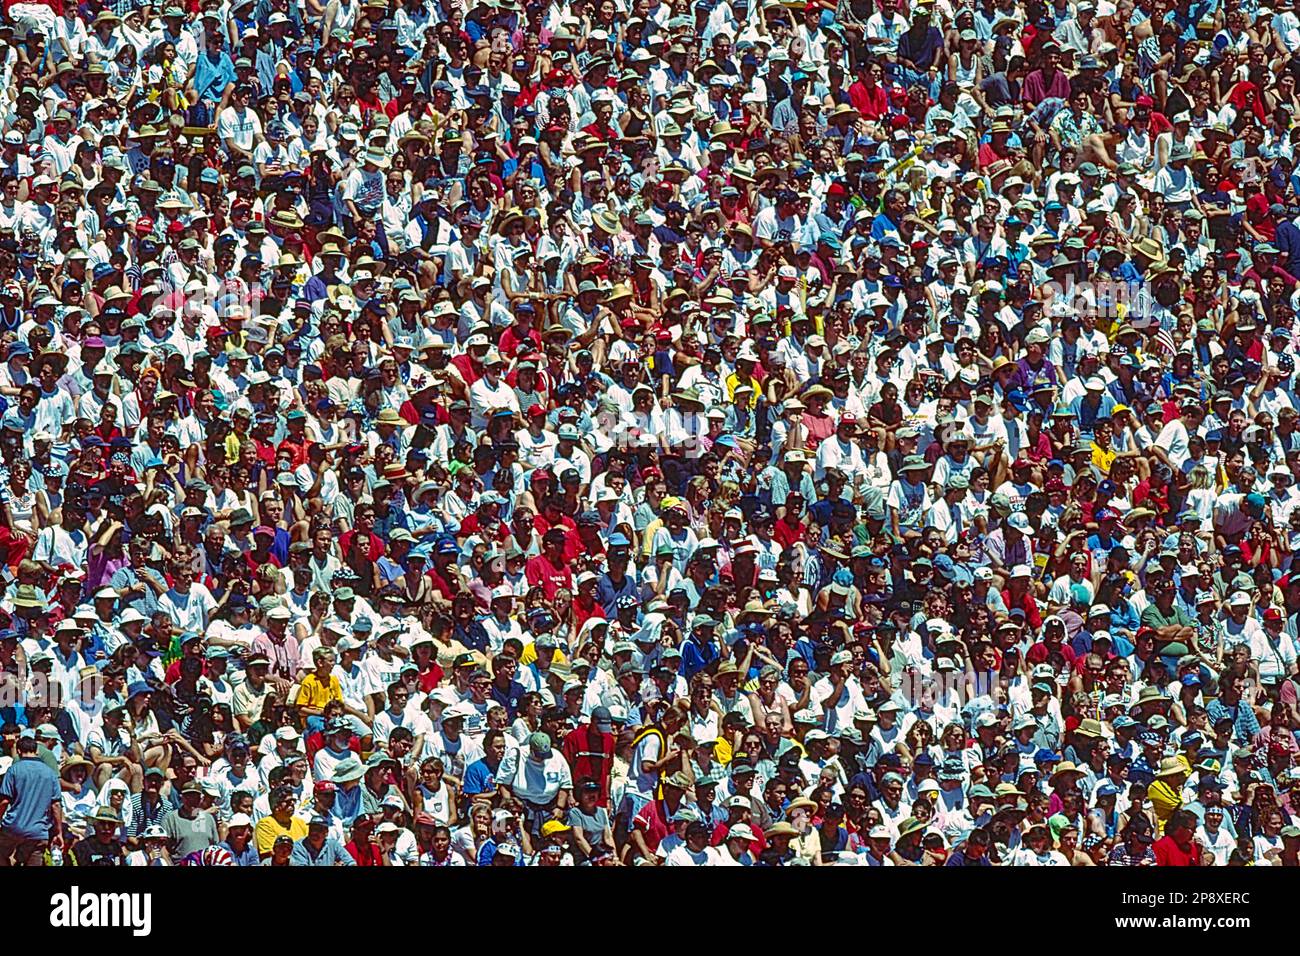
(93,853)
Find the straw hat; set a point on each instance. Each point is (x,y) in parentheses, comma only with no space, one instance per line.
(606,221)
(1172,767)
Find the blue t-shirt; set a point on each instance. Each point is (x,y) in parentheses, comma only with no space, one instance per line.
(211,77)
(248,858)
(32,788)
(479,778)
(332,853)
(488,851)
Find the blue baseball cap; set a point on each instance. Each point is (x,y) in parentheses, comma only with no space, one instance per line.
(1018,399)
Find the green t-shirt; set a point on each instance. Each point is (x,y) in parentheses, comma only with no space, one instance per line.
(1152,616)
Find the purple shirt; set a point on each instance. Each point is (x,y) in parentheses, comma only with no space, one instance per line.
(1037,88)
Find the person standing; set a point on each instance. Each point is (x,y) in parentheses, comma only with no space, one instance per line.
(31,801)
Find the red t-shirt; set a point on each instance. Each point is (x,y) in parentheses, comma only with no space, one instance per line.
(296,448)
(787,534)
(1039,652)
(1168,853)
(652,821)
(465,365)
(1257,207)
(369,856)
(872,102)
(582,614)
(471,526)
(573,546)
(540,570)
(430,679)
(441,584)
(374,552)
(512,336)
(1026,604)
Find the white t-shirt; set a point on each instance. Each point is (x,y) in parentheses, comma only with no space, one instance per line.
(532,780)
(241,128)
(1173,439)
(57,547)
(649,750)
(189,611)
(681,855)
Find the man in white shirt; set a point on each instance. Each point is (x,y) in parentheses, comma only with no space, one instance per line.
(1171,442)
(238,126)
(838,694)
(490,393)
(539,776)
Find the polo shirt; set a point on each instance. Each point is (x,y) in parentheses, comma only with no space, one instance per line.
(312,693)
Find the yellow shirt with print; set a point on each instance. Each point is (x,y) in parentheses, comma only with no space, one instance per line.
(1103,458)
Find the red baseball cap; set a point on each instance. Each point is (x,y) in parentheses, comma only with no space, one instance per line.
(143,226)
(536,411)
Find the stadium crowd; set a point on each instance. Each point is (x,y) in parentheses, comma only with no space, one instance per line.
(607,433)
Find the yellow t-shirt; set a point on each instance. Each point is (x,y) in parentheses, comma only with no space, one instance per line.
(268,829)
(648,537)
(734,381)
(1103,458)
(530,654)
(312,693)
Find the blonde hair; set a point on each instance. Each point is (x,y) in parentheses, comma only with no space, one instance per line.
(1201,478)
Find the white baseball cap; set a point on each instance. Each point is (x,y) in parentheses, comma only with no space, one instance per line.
(741,831)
